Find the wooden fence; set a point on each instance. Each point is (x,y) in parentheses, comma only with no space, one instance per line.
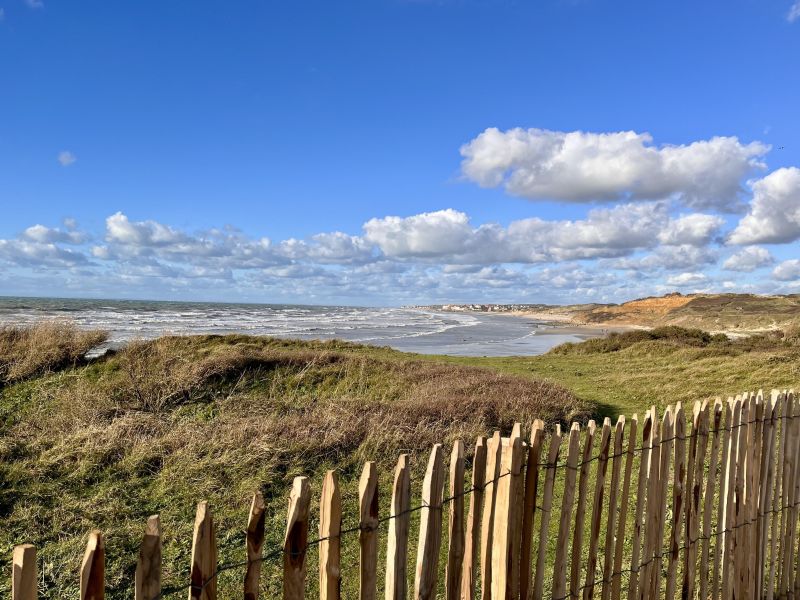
(702,506)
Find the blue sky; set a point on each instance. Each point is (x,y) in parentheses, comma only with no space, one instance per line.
(396,151)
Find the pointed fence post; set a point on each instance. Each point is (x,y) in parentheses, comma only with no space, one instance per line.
(23,574)
(578,563)
(547,507)
(617,459)
(455,550)
(397,544)
(368,537)
(254,542)
(505,527)
(597,508)
(487,518)
(567,516)
(529,507)
(93,568)
(430,529)
(473,531)
(147,584)
(330,526)
(295,540)
(203,575)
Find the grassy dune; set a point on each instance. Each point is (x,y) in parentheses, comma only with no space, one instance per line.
(163,424)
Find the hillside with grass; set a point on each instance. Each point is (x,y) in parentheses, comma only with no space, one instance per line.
(163,424)
(742,313)
(160,425)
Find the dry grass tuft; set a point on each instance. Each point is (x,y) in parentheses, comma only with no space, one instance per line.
(165,423)
(43,348)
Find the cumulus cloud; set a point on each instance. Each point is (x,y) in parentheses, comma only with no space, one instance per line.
(66,158)
(448,236)
(774,215)
(42,234)
(687,279)
(748,259)
(24,253)
(788,270)
(693,230)
(580,166)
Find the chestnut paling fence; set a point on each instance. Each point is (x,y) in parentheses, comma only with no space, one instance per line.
(700,505)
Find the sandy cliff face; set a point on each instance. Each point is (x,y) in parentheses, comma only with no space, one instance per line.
(715,312)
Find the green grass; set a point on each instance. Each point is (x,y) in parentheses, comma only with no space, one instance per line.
(164,424)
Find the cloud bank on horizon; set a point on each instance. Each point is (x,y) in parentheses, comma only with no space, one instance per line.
(704,216)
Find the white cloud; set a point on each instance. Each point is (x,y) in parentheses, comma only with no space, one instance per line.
(687,279)
(66,158)
(788,270)
(748,259)
(794,12)
(695,230)
(580,166)
(120,230)
(774,215)
(2,13)
(447,236)
(24,253)
(35,3)
(42,234)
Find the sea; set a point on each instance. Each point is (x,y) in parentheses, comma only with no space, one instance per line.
(407,329)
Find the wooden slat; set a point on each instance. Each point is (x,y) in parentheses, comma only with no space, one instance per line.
(678,499)
(397,544)
(639,516)
(254,544)
(503,557)
(147,580)
(787,428)
(711,488)
(719,539)
(204,556)
(597,509)
(529,504)
(794,504)
(455,549)
(330,548)
(517,508)
(650,526)
(473,521)
(368,536)
(93,568)
(755,499)
(577,563)
(562,543)
(775,490)
(487,518)
(613,495)
(430,529)
(295,540)
(698,438)
(739,506)
(793,492)
(727,546)
(619,547)
(547,508)
(765,499)
(23,573)
(667,443)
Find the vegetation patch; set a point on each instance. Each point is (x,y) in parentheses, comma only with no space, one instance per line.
(162,424)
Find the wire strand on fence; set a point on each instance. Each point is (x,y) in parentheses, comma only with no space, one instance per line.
(546,465)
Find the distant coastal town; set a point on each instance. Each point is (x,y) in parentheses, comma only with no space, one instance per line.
(496,308)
